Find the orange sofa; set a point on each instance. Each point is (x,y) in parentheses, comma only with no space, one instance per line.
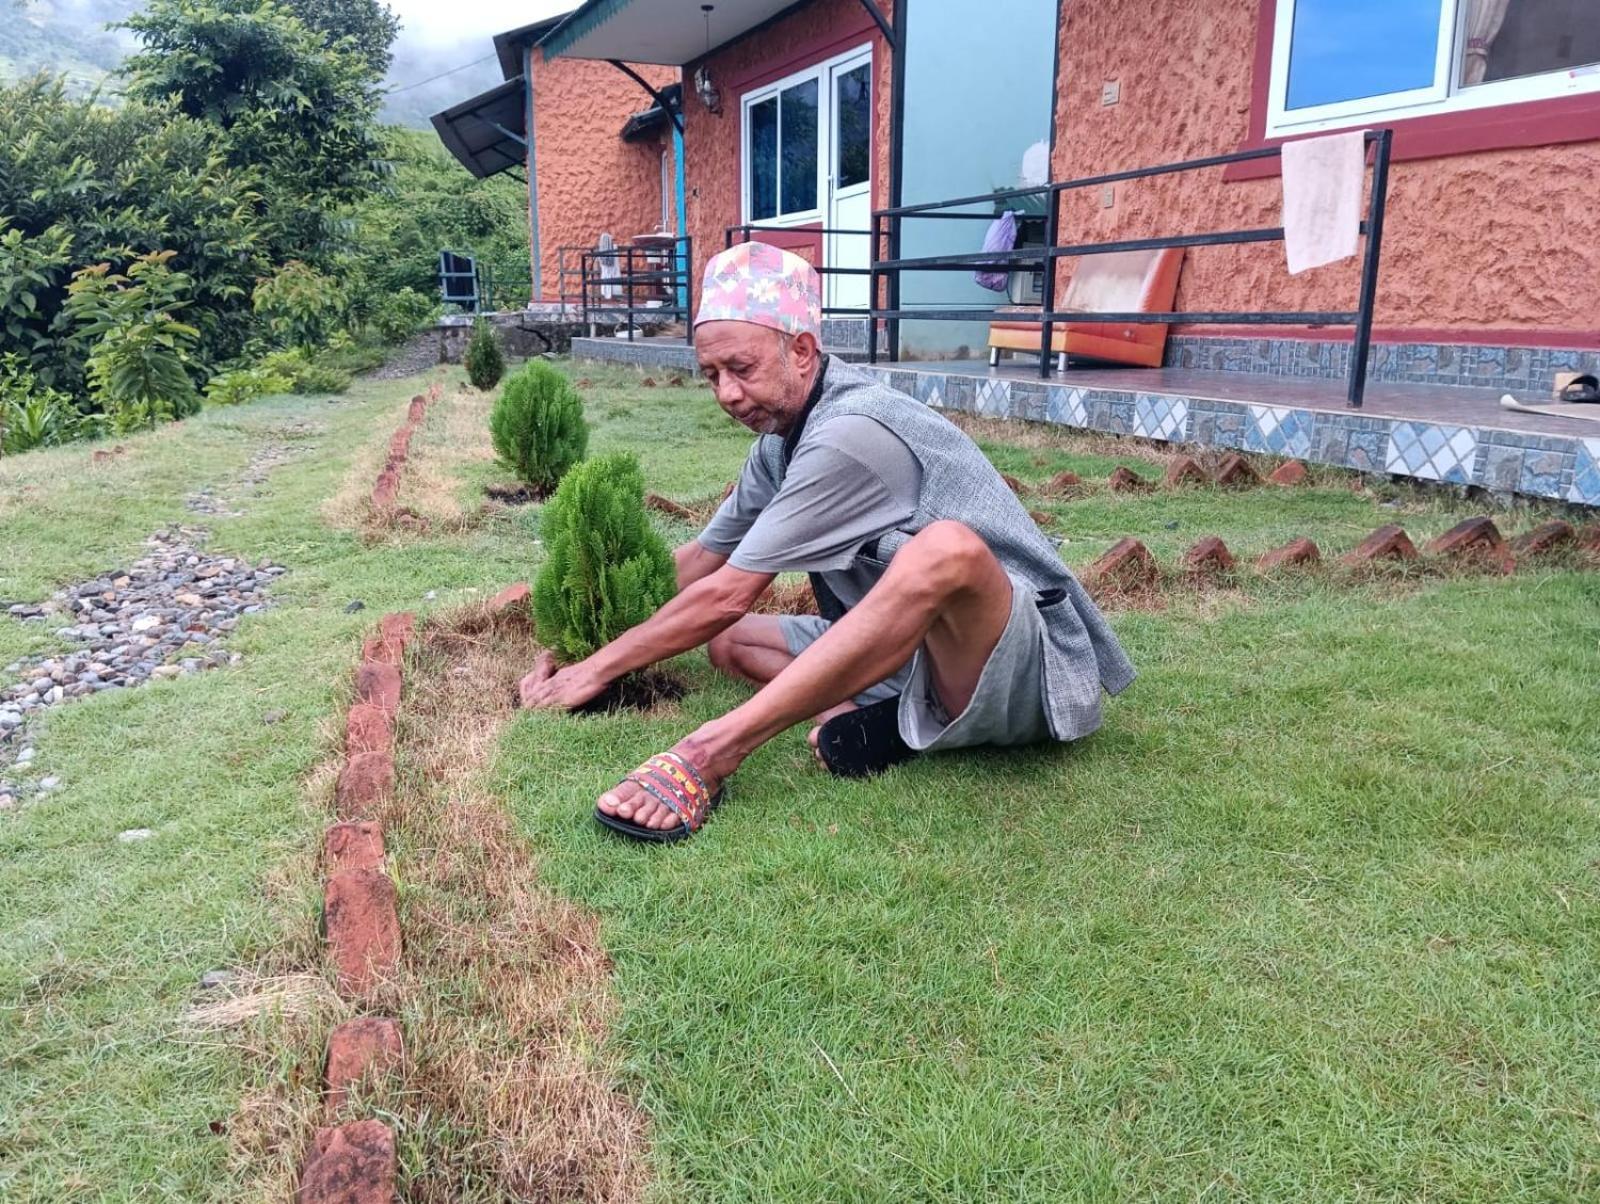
(1143,282)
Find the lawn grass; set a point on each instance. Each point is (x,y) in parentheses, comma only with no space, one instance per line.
(1313,917)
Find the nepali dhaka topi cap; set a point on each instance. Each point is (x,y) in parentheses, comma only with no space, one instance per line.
(765,285)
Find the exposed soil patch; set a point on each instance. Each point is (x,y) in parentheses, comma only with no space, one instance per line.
(644,691)
(515,495)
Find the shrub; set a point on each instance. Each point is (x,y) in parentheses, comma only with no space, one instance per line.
(606,569)
(245,384)
(140,355)
(397,316)
(304,374)
(299,304)
(485,364)
(32,414)
(537,425)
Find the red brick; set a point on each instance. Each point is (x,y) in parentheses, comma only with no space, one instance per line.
(1290,472)
(350,1164)
(1185,471)
(400,626)
(368,729)
(1546,537)
(1040,518)
(1063,481)
(400,445)
(648,382)
(379,684)
(353,845)
(363,928)
(510,597)
(417,410)
(1127,564)
(384,491)
(677,382)
(1588,537)
(1236,472)
(1012,483)
(1388,542)
(1296,551)
(1125,480)
(1208,556)
(365,784)
(363,1048)
(1471,538)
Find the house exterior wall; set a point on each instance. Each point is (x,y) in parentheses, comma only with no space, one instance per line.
(712,141)
(589,180)
(1478,247)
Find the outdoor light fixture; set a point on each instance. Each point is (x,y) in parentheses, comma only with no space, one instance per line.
(704,88)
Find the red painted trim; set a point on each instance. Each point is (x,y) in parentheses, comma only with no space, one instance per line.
(1578,340)
(798,56)
(1551,122)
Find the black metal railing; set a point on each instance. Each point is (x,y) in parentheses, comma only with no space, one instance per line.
(628,282)
(885,272)
(744,230)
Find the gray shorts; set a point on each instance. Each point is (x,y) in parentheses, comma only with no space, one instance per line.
(1007,707)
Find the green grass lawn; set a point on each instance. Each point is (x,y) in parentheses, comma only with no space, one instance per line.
(1313,917)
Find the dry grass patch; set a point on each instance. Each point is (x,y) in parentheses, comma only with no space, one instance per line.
(453,438)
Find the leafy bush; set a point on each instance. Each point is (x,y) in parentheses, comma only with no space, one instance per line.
(537,425)
(485,365)
(140,355)
(606,569)
(304,374)
(239,385)
(32,414)
(399,315)
(299,304)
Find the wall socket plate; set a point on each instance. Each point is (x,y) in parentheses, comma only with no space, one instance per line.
(1110,92)
(1108,196)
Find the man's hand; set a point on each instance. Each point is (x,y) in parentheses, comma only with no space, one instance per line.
(549,688)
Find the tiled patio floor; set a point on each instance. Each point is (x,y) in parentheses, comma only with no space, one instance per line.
(1438,433)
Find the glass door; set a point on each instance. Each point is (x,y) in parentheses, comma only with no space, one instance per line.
(849,180)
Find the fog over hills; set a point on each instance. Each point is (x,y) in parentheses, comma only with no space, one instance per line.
(438,38)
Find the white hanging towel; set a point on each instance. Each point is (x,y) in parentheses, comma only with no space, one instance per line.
(610,270)
(1322,180)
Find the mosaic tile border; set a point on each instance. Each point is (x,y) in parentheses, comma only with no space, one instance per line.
(1527,368)
(1546,466)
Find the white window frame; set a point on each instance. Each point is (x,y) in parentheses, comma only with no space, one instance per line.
(825,148)
(1444,95)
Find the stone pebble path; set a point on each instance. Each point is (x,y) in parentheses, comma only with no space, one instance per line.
(165,616)
(209,502)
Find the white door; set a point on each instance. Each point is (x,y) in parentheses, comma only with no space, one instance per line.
(849,169)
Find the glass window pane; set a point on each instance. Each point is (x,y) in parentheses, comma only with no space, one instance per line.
(1351,49)
(853,108)
(764,160)
(1509,38)
(798,179)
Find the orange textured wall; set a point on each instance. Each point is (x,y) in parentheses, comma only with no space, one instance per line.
(712,141)
(589,179)
(1489,241)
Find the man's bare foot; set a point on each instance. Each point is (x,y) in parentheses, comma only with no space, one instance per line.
(632,802)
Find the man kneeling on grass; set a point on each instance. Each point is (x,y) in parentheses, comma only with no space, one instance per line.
(953,621)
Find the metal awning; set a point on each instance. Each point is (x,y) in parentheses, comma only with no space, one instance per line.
(667,32)
(647,121)
(509,46)
(488,133)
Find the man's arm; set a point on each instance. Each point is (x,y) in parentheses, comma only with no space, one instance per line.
(695,561)
(703,609)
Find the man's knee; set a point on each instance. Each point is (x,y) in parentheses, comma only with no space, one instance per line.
(723,652)
(948,556)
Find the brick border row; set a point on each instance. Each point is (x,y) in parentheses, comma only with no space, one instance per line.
(1475,542)
(356,1161)
(386,489)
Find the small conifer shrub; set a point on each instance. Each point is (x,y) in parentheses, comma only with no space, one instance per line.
(485,364)
(537,425)
(606,569)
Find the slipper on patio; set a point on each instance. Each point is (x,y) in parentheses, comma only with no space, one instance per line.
(677,786)
(1583,389)
(864,742)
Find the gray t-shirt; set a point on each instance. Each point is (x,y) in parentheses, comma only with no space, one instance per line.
(853,480)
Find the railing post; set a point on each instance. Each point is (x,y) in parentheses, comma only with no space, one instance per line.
(583,291)
(688,289)
(1362,347)
(872,295)
(1052,235)
(627,258)
(894,232)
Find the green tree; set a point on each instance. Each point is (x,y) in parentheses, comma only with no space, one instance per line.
(295,107)
(484,361)
(370,26)
(606,569)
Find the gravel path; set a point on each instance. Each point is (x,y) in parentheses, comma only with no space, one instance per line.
(167,615)
(415,357)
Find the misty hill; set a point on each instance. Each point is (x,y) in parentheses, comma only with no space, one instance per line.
(69,37)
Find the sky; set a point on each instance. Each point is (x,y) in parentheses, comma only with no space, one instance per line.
(451,21)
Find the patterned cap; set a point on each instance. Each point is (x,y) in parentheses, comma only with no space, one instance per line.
(765,285)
